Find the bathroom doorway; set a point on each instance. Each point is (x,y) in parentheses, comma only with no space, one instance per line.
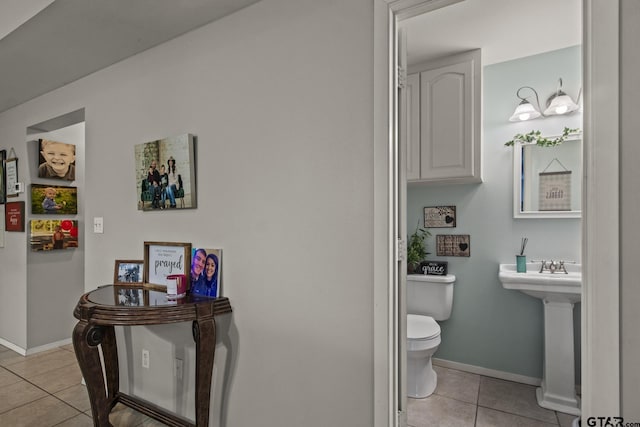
(592,399)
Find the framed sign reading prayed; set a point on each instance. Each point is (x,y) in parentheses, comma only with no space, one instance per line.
(555,191)
(163,259)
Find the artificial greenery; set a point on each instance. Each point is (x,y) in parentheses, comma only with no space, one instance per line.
(534,137)
(416,249)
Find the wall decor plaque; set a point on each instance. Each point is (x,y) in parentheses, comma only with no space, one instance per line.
(453,245)
(440,217)
(434,268)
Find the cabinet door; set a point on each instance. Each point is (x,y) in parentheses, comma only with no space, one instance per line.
(450,120)
(412,106)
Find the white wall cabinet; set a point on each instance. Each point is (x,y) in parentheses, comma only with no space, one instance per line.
(444,129)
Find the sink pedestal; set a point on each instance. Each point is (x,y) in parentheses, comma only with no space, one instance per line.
(558,391)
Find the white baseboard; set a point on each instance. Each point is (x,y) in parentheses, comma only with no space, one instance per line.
(34,350)
(508,376)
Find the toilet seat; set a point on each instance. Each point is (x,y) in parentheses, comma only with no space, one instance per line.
(422,327)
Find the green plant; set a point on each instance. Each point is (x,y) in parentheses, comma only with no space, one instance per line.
(416,249)
(535,137)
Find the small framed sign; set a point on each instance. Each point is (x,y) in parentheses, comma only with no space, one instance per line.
(440,217)
(434,268)
(453,245)
(14,216)
(163,259)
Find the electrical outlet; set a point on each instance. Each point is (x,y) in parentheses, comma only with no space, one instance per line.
(178,368)
(145,358)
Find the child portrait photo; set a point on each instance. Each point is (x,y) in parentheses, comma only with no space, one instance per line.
(165,174)
(57,160)
(52,234)
(47,199)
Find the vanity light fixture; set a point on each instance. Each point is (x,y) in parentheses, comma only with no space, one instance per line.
(558,103)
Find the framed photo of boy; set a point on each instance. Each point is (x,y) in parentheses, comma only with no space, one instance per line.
(128,272)
(57,160)
(165,172)
(49,199)
(53,234)
(163,259)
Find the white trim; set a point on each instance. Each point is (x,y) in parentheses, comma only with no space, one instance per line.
(502,375)
(600,242)
(21,351)
(13,347)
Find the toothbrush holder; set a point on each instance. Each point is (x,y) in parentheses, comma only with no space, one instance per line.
(521,263)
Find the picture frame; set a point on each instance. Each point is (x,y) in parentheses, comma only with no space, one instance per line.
(165,171)
(14,216)
(128,272)
(3,177)
(61,200)
(206,265)
(440,217)
(11,177)
(53,234)
(453,245)
(56,160)
(162,259)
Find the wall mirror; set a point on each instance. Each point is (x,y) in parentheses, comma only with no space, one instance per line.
(547,181)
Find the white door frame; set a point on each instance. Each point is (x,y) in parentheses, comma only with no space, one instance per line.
(600,295)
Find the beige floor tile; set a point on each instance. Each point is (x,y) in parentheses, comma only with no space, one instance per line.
(439,411)
(492,418)
(124,416)
(75,396)
(68,347)
(514,398)
(566,420)
(32,366)
(18,394)
(45,412)
(9,357)
(457,384)
(3,349)
(7,378)
(81,420)
(58,379)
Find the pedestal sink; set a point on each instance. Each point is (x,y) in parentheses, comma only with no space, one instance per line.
(559,291)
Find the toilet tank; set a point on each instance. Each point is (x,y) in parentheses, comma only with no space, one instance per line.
(430,295)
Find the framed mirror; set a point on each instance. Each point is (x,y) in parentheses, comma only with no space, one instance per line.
(547,181)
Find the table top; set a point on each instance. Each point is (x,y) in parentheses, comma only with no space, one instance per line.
(140,305)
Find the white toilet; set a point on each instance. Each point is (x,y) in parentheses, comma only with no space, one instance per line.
(429,298)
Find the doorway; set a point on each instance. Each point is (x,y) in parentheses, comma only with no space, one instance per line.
(598,42)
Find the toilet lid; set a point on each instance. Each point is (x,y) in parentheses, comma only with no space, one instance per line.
(421,327)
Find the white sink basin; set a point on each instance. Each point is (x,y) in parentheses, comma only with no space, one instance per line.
(558,292)
(558,286)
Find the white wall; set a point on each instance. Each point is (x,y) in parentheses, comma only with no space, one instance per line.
(280,98)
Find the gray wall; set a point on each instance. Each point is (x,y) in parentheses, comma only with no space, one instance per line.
(629,206)
(491,327)
(280,98)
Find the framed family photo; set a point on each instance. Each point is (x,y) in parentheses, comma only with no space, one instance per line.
(206,272)
(53,200)
(128,272)
(164,259)
(166,174)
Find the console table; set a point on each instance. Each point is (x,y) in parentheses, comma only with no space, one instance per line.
(100,310)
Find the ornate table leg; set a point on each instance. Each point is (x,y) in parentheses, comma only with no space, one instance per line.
(204,334)
(86,339)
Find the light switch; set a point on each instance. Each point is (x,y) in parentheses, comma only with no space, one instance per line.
(98,224)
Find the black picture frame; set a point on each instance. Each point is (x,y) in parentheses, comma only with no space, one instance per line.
(3,177)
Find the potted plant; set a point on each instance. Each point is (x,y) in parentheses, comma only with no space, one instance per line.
(416,249)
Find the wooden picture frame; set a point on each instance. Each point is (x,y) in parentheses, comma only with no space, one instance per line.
(128,272)
(440,217)
(162,259)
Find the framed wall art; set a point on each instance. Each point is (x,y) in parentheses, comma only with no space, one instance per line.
(11,176)
(166,174)
(57,160)
(48,199)
(53,234)
(128,272)
(440,217)
(163,259)
(14,216)
(453,245)
(3,177)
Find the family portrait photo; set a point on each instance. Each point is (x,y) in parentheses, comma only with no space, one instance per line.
(165,174)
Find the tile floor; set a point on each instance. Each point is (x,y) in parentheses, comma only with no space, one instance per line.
(45,390)
(462,399)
